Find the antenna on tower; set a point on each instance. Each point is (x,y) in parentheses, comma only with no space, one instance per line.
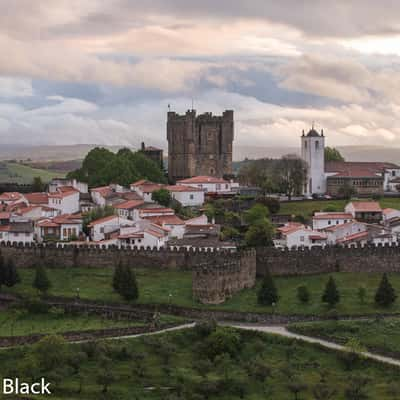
(192,104)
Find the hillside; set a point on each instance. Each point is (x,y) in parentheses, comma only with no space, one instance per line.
(23,174)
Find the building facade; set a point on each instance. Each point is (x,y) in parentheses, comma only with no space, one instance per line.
(199,145)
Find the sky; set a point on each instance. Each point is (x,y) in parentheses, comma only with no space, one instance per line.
(104,72)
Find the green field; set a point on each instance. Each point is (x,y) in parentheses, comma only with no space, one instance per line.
(307,208)
(23,174)
(156,286)
(378,335)
(19,323)
(221,364)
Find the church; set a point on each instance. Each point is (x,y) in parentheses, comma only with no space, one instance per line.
(329,177)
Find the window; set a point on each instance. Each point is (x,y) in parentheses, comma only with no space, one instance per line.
(226,186)
(191,197)
(329,222)
(337,222)
(305,145)
(301,238)
(317,145)
(393,173)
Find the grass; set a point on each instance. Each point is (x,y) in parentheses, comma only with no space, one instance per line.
(307,208)
(380,335)
(179,365)
(23,174)
(19,323)
(156,286)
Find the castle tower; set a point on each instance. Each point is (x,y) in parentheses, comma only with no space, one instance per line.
(199,145)
(313,153)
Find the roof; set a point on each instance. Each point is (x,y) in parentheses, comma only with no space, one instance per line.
(387,211)
(140,182)
(5,215)
(332,215)
(290,227)
(166,219)
(128,205)
(47,224)
(313,133)
(366,206)
(202,179)
(102,220)
(183,188)
(354,236)
(21,227)
(135,235)
(63,191)
(155,233)
(358,168)
(339,226)
(68,219)
(151,148)
(10,196)
(317,237)
(162,210)
(37,198)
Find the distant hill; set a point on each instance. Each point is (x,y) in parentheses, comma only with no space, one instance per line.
(24,174)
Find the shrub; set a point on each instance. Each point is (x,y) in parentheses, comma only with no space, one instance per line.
(268,293)
(41,281)
(331,294)
(303,294)
(385,294)
(222,340)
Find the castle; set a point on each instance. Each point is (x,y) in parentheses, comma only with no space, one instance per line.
(199,145)
(364,178)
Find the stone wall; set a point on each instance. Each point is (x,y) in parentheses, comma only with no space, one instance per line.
(330,259)
(213,283)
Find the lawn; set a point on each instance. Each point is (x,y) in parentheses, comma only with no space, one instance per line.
(175,287)
(380,335)
(195,364)
(307,208)
(23,174)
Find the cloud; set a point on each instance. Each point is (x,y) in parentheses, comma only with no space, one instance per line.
(15,87)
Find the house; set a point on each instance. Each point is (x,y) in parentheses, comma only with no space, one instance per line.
(8,199)
(365,211)
(106,195)
(37,198)
(63,228)
(143,234)
(174,224)
(18,230)
(145,189)
(103,228)
(294,234)
(322,220)
(187,196)
(210,184)
(200,220)
(390,213)
(81,187)
(65,199)
(347,233)
(155,212)
(129,209)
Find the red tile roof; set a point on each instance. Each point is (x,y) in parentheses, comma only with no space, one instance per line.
(37,198)
(183,188)
(102,220)
(355,236)
(339,226)
(166,219)
(10,196)
(135,235)
(161,210)
(366,206)
(387,211)
(128,205)
(290,227)
(63,191)
(203,179)
(333,215)
(358,169)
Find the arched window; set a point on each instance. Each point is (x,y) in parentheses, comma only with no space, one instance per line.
(317,145)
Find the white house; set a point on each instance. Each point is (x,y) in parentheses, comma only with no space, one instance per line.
(210,184)
(143,234)
(65,199)
(172,223)
(62,227)
(11,198)
(129,209)
(349,232)
(105,195)
(188,196)
(145,189)
(56,183)
(20,231)
(322,220)
(200,220)
(102,228)
(390,213)
(298,235)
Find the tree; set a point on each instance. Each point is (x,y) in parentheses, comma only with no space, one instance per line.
(38,185)
(321,391)
(291,173)
(347,191)
(51,352)
(220,341)
(361,293)
(296,387)
(162,196)
(260,234)
(273,204)
(11,276)
(41,281)
(303,294)
(2,270)
(256,214)
(268,293)
(385,294)
(331,294)
(127,287)
(118,277)
(333,154)
(355,389)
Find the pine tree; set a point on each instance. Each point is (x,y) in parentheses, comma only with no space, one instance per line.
(128,288)
(10,274)
(41,281)
(118,277)
(2,270)
(331,294)
(268,294)
(385,294)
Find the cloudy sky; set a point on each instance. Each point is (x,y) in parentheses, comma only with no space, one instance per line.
(96,71)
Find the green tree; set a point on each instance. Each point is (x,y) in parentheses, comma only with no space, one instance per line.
(220,341)
(118,277)
(331,293)
(41,281)
(268,293)
(128,288)
(333,154)
(11,276)
(162,196)
(362,293)
(51,352)
(260,234)
(385,294)
(38,185)
(347,191)
(256,214)
(303,294)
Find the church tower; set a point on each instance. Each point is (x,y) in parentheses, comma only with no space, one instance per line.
(313,153)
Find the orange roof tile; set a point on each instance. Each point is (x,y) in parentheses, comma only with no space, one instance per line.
(203,179)
(366,206)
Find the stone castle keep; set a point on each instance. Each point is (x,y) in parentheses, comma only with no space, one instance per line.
(199,145)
